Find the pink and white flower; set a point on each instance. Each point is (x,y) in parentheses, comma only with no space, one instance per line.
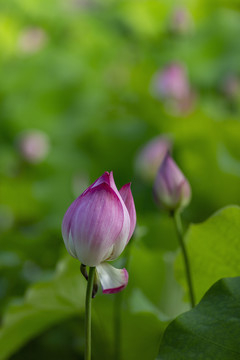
(98,225)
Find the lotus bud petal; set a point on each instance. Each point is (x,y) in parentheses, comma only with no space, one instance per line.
(112,280)
(127,197)
(171,189)
(150,157)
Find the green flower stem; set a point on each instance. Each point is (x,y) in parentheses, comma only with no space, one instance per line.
(88,313)
(179,230)
(118,307)
(118,301)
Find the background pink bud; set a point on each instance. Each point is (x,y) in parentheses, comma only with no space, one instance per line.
(181,21)
(150,157)
(171,189)
(97,226)
(171,82)
(33,145)
(32,40)
(171,85)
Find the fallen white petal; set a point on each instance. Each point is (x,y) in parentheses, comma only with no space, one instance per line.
(112,280)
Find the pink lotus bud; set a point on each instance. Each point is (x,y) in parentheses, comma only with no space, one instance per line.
(171,83)
(150,157)
(181,21)
(32,40)
(172,86)
(33,145)
(171,189)
(98,225)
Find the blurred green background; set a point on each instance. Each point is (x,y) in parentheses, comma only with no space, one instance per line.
(81,76)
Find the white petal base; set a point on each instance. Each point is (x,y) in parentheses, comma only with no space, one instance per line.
(112,280)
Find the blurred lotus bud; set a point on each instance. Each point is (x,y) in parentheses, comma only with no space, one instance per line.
(171,189)
(171,82)
(171,85)
(181,21)
(33,146)
(32,40)
(97,226)
(231,86)
(150,157)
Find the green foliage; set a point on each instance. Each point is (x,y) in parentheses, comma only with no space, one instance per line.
(141,330)
(88,87)
(213,247)
(44,305)
(53,301)
(211,330)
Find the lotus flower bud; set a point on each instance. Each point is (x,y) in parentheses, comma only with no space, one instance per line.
(33,146)
(171,83)
(171,189)
(32,40)
(181,21)
(151,156)
(97,227)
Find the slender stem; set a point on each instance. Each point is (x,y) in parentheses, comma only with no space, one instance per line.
(179,229)
(118,309)
(118,326)
(88,313)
